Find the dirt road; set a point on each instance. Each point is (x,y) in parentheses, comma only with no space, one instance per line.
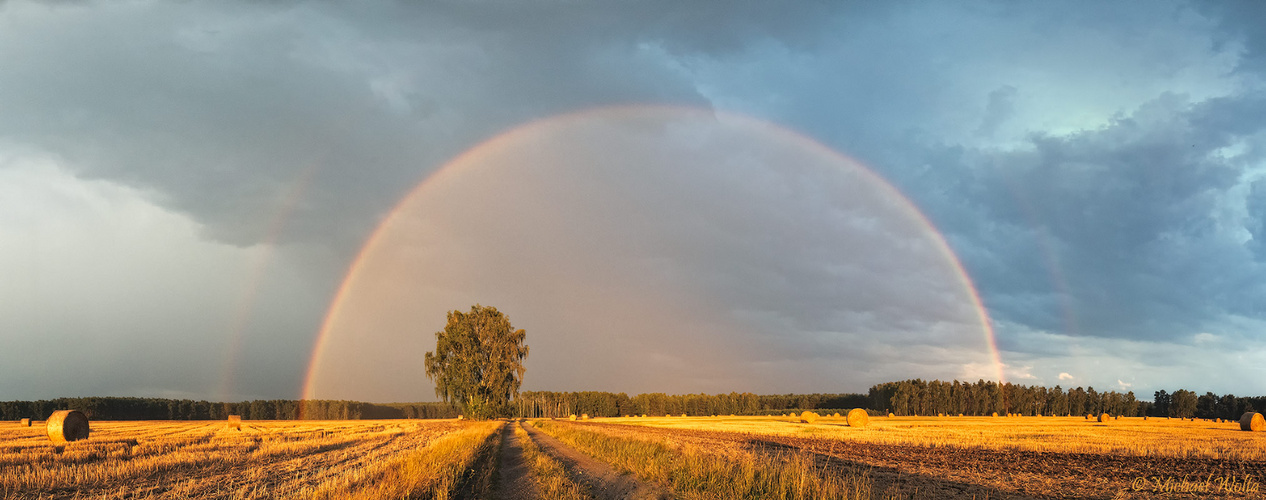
(604,482)
(514,481)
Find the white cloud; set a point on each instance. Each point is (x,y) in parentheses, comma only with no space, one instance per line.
(1065,376)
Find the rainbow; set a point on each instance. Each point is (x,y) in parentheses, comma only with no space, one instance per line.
(473,155)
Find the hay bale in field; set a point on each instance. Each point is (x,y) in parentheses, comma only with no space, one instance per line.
(836,415)
(960,414)
(26,422)
(67,425)
(461,417)
(858,417)
(584,416)
(1104,417)
(808,417)
(234,422)
(940,415)
(1253,422)
(683,414)
(572,417)
(643,415)
(1089,417)
(890,415)
(1144,417)
(995,413)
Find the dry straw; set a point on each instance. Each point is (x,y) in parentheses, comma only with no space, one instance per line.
(584,416)
(995,413)
(1104,417)
(572,417)
(890,415)
(808,417)
(837,414)
(26,422)
(235,422)
(67,425)
(1252,421)
(857,417)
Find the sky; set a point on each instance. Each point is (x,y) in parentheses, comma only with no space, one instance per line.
(244,200)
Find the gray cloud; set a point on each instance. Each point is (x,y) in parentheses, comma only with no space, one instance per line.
(1098,170)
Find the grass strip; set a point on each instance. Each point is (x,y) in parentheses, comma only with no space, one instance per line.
(434,472)
(547,472)
(695,472)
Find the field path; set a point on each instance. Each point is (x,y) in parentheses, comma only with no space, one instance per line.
(604,482)
(514,481)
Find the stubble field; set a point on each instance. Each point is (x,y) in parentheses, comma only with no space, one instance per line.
(656,457)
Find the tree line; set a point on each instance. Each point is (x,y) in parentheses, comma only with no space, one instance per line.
(918,397)
(909,397)
(115,408)
(549,404)
(1184,404)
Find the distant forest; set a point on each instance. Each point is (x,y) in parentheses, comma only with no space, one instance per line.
(917,397)
(108,408)
(909,397)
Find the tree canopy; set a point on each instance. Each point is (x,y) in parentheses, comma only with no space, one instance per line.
(478,361)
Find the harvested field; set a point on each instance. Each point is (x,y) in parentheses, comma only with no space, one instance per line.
(981,465)
(691,457)
(269,459)
(1130,436)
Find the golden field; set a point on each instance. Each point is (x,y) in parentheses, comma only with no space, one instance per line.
(200,459)
(680,457)
(1130,436)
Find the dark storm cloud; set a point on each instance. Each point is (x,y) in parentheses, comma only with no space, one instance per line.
(1120,231)
(1091,166)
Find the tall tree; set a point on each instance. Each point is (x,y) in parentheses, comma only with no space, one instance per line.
(478,361)
(1182,404)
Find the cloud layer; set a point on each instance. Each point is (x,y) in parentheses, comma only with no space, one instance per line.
(187,183)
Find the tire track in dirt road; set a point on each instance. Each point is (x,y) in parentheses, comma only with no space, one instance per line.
(603,481)
(514,479)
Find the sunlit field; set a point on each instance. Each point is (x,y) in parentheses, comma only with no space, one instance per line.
(681,457)
(1130,436)
(308,459)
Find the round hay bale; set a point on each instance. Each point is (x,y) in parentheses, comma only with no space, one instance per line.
(1253,422)
(808,417)
(461,417)
(67,425)
(1089,417)
(683,414)
(857,417)
(572,417)
(26,422)
(940,415)
(643,415)
(234,422)
(584,416)
(960,414)
(1104,417)
(836,415)
(995,413)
